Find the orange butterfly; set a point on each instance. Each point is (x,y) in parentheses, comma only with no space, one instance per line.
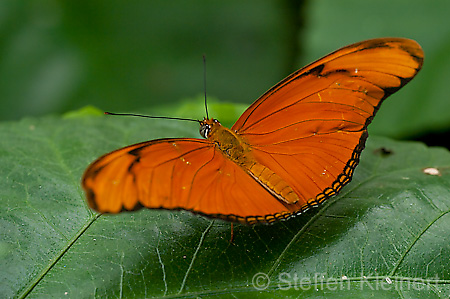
(293,148)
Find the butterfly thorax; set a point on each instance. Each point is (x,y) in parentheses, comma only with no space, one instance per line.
(228,142)
(235,148)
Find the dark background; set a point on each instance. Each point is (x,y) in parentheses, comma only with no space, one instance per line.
(58,56)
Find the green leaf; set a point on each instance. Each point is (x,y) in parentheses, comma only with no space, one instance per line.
(386,234)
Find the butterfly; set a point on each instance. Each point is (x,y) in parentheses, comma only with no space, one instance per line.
(292,149)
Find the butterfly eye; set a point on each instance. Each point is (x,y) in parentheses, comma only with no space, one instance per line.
(204,130)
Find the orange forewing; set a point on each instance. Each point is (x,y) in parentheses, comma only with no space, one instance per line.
(309,129)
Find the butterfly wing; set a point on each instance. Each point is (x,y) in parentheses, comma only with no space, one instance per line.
(311,127)
(189,174)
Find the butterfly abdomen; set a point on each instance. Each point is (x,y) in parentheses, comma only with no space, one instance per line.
(273,183)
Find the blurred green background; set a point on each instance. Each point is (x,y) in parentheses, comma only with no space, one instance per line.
(58,56)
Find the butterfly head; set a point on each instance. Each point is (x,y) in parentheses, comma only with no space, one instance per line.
(207,125)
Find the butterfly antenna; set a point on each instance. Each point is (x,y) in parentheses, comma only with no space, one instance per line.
(204,84)
(149,116)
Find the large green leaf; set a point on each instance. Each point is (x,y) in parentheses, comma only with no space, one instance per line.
(387,233)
